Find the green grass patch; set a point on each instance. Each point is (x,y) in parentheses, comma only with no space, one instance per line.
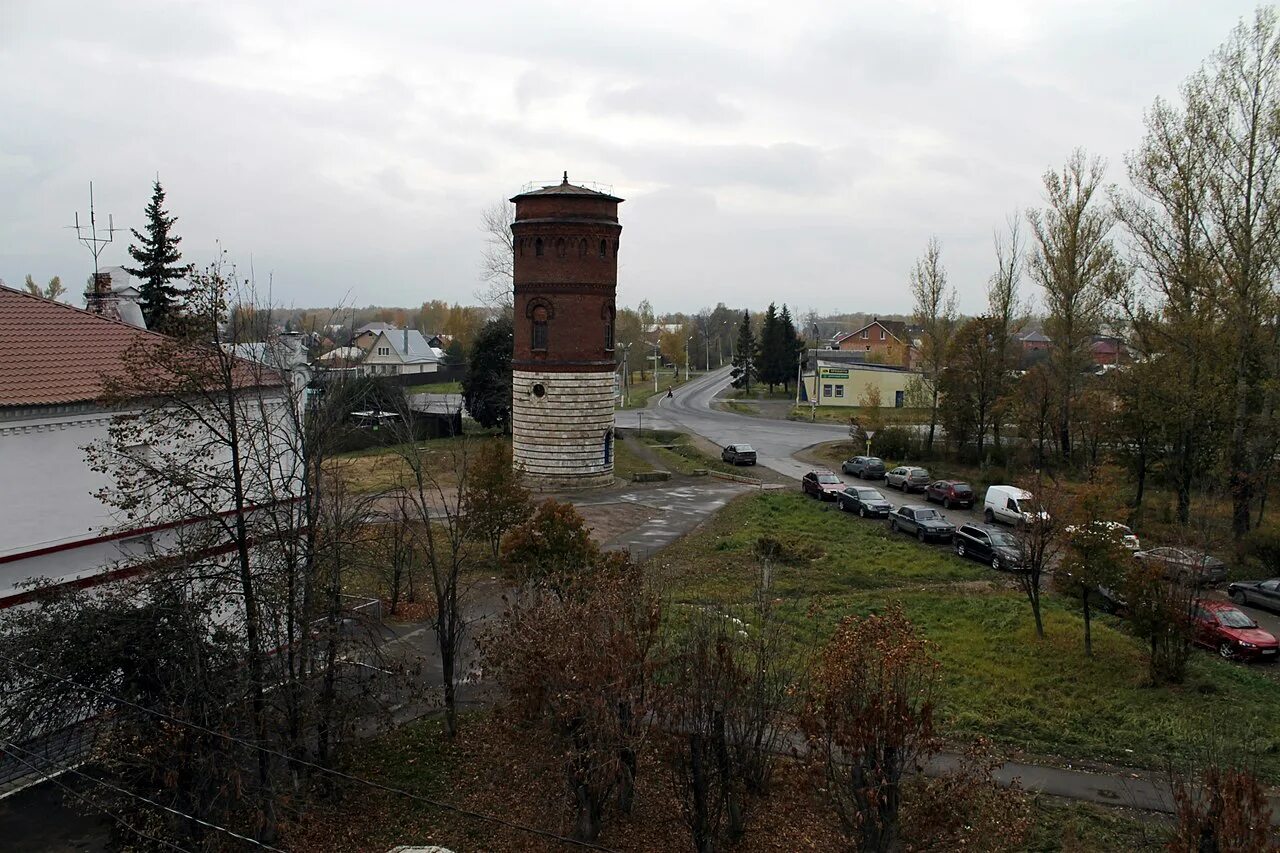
(435,388)
(638,394)
(1081,827)
(842,414)
(998,680)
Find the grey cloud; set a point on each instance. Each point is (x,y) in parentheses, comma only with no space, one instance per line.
(665,100)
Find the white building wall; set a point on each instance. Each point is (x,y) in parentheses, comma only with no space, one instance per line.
(564,438)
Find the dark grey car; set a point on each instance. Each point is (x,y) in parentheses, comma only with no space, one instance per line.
(866,502)
(1256,593)
(923,521)
(1186,565)
(987,543)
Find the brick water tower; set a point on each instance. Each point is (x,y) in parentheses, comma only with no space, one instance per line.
(566,275)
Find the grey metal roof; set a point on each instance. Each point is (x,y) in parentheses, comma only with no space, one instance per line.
(411,346)
(566,188)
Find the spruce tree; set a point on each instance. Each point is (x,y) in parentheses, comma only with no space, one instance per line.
(745,369)
(792,346)
(157,256)
(770,343)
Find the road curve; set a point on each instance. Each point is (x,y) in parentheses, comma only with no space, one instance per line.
(690,410)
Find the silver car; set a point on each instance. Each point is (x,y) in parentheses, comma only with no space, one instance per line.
(908,479)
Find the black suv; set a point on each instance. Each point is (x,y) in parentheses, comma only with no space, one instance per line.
(739,454)
(866,467)
(988,544)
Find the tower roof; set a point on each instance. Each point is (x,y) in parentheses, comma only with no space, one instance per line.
(566,188)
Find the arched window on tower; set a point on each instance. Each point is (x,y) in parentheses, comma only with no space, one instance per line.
(538,337)
(560,248)
(608,447)
(582,248)
(604,249)
(537,247)
(609,316)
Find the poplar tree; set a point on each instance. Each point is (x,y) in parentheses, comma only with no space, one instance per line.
(157,256)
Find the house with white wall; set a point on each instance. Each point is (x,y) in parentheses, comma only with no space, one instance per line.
(54,526)
(396,352)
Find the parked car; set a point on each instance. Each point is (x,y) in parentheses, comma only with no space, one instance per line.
(1222,626)
(987,543)
(739,454)
(950,493)
(1186,565)
(823,485)
(866,467)
(1258,593)
(865,501)
(1011,505)
(924,521)
(1123,531)
(907,478)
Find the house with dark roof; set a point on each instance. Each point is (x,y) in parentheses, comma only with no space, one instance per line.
(881,341)
(55,364)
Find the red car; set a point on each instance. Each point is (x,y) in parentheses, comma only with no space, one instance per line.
(823,485)
(1223,626)
(950,493)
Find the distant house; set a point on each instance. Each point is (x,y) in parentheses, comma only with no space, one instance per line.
(401,351)
(285,353)
(1108,351)
(886,342)
(1034,341)
(368,333)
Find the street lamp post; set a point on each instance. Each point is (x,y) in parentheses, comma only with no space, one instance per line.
(656,361)
(687,342)
(626,375)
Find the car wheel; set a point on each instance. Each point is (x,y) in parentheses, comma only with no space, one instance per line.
(995,563)
(988,516)
(946,503)
(920,534)
(959,549)
(1239,597)
(1227,651)
(862,512)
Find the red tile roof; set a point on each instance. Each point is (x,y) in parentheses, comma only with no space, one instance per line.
(53,354)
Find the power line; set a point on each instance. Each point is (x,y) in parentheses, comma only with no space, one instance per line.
(544,833)
(103,782)
(98,807)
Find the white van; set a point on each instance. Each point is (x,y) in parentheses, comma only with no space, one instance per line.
(1010,505)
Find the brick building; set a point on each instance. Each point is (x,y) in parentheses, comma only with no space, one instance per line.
(882,342)
(565,241)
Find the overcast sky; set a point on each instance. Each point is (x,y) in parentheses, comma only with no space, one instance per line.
(798,152)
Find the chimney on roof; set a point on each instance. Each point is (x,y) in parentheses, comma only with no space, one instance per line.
(406,342)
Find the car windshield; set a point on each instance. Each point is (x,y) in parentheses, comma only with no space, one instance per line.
(828,479)
(744,448)
(1235,619)
(961,489)
(1003,539)
(923,514)
(875,462)
(870,495)
(919,474)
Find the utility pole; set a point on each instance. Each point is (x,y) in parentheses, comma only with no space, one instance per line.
(626,376)
(799,374)
(657,359)
(687,342)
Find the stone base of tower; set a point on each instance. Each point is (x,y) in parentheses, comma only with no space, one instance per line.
(562,428)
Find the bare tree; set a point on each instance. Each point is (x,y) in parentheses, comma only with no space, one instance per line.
(434,497)
(1077,267)
(1219,803)
(1005,309)
(935,313)
(498,258)
(1038,539)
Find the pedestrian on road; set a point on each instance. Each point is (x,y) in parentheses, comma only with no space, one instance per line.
(670,393)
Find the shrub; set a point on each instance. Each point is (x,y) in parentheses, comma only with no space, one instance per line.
(1260,552)
(789,551)
(895,442)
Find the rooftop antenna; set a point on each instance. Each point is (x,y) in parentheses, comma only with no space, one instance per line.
(88,234)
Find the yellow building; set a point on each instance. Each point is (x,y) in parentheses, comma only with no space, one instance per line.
(857,384)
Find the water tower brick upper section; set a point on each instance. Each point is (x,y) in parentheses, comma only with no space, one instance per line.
(566,243)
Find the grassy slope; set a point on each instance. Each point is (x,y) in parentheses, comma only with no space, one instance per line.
(841,414)
(1045,697)
(435,388)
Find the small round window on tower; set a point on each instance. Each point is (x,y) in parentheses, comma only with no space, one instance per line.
(539,390)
